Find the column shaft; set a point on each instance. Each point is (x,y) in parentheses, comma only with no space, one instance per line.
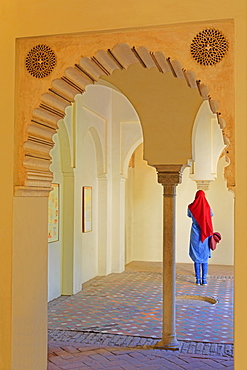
(169,176)
(169,268)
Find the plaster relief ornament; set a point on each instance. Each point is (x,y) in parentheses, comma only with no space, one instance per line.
(209,47)
(40,61)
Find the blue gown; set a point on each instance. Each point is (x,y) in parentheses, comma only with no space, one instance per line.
(199,251)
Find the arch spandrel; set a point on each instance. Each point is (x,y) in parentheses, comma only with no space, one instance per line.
(33,175)
(167,108)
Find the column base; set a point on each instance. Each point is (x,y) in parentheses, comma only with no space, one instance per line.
(169,343)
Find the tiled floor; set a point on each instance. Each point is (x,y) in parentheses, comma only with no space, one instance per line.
(76,356)
(131,304)
(116,309)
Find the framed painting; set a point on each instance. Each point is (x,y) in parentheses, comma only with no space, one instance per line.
(53,214)
(86,209)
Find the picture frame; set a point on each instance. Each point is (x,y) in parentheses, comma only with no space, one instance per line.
(86,209)
(53,214)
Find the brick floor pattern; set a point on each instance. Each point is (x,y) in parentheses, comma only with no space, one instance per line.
(190,347)
(83,356)
(130,304)
(115,323)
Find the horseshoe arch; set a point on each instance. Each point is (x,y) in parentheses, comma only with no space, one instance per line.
(34,177)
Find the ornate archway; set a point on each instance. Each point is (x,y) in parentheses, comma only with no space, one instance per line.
(33,176)
(33,173)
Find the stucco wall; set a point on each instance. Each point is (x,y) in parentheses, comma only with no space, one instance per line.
(55,248)
(144,203)
(86,244)
(147,204)
(29,259)
(96,140)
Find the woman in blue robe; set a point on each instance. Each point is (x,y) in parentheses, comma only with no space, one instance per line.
(201,231)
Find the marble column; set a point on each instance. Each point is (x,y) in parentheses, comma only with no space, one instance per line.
(169,176)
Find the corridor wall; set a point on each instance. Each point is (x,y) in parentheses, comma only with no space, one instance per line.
(145,202)
(93,144)
(86,243)
(147,210)
(55,249)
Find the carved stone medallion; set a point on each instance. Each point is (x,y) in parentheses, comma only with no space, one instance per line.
(40,61)
(209,47)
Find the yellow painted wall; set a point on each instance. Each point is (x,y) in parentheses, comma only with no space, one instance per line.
(32,18)
(29,288)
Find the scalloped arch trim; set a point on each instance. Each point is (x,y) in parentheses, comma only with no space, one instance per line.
(44,123)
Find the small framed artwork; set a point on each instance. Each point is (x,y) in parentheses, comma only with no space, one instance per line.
(86,209)
(53,214)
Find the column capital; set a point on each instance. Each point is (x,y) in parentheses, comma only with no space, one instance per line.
(170,174)
(203,184)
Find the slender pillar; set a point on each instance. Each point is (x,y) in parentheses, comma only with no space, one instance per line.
(104,226)
(68,280)
(169,176)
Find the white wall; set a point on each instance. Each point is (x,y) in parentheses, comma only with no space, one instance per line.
(147,211)
(100,132)
(126,134)
(222,202)
(129,216)
(144,203)
(207,144)
(55,248)
(86,248)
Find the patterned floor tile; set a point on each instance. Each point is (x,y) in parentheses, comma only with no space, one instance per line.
(130,303)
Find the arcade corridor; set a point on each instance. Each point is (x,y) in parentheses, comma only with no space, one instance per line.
(115,322)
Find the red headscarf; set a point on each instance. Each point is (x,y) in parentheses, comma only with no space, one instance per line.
(201,211)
